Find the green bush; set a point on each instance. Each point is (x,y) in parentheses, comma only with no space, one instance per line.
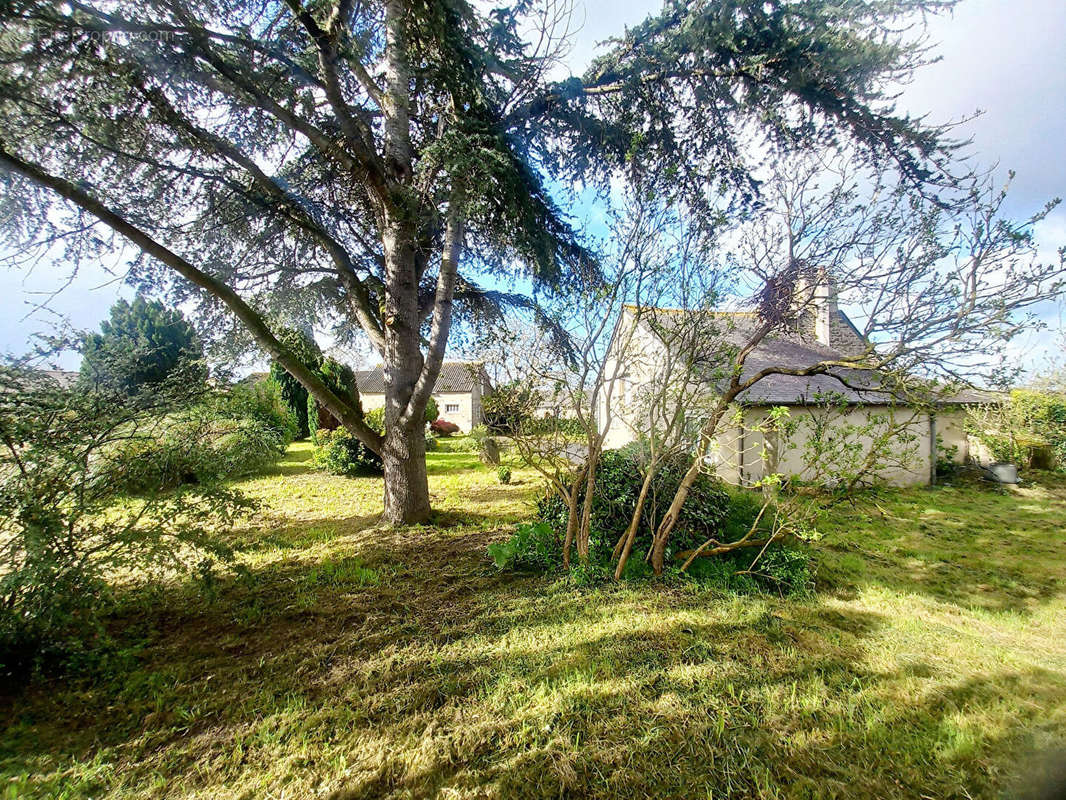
(293,393)
(340,378)
(1043,416)
(375,418)
(340,453)
(504,475)
(744,507)
(67,525)
(432,410)
(259,401)
(195,446)
(618,480)
(787,569)
(1029,419)
(783,569)
(241,447)
(142,345)
(947,465)
(564,425)
(341,381)
(712,510)
(532,546)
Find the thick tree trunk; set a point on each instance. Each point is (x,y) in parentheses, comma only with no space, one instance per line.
(404,450)
(406,484)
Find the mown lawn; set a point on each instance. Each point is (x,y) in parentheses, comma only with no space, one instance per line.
(356,662)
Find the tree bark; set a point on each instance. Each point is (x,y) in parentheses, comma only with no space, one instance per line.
(666,526)
(571,526)
(625,545)
(573,519)
(404,452)
(584,533)
(406,483)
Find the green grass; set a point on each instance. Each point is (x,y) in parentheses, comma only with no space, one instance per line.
(352,661)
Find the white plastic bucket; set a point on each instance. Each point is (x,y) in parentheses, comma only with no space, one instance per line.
(1004,473)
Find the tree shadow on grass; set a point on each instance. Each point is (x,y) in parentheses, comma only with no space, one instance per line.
(403,656)
(523,688)
(452,463)
(274,531)
(393,654)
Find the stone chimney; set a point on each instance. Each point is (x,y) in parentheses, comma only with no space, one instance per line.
(816,305)
(825,309)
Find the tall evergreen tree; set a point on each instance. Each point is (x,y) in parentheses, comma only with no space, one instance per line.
(340,378)
(141,345)
(293,393)
(377,161)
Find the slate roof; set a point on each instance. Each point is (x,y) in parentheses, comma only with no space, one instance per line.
(858,386)
(455,377)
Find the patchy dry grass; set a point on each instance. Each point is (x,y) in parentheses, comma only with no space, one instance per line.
(352,661)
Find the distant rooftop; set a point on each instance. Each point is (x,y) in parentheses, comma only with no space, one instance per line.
(62,378)
(455,377)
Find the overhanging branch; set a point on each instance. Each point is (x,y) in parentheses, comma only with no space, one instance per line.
(350,415)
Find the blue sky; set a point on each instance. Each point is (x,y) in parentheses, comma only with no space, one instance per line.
(1004,58)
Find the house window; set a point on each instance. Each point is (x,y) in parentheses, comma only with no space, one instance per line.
(451,408)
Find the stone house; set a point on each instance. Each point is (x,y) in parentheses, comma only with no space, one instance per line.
(910,440)
(458,392)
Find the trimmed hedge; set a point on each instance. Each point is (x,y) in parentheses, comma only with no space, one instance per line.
(339,452)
